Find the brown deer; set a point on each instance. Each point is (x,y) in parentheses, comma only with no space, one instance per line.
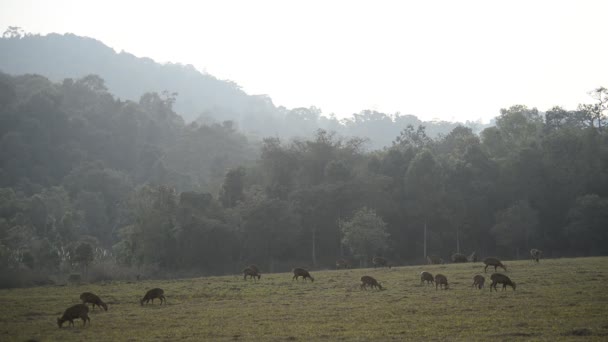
(478,281)
(493,262)
(73,312)
(498,278)
(88,297)
(536,254)
(251,273)
(381,262)
(367,281)
(300,272)
(434,260)
(459,258)
(153,294)
(472,257)
(441,281)
(342,263)
(255,268)
(426,276)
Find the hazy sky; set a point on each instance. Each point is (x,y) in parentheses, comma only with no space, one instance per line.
(453,60)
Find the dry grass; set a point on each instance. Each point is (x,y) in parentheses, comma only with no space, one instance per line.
(555,300)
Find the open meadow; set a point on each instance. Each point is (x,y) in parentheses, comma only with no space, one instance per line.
(558,299)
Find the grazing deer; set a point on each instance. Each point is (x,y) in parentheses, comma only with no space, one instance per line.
(434,260)
(73,312)
(88,297)
(300,272)
(441,281)
(342,263)
(536,254)
(426,276)
(459,258)
(367,281)
(249,272)
(493,262)
(255,268)
(478,281)
(381,262)
(472,257)
(498,278)
(153,294)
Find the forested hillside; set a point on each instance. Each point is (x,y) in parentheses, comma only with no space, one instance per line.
(88,179)
(200,96)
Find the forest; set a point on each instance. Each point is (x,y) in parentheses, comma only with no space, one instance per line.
(108,187)
(202,97)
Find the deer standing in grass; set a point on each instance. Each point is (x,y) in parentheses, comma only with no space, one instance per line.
(478,281)
(493,262)
(153,294)
(441,281)
(381,262)
(434,260)
(88,297)
(367,281)
(341,263)
(300,272)
(74,312)
(498,278)
(536,254)
(249,272)
(426,276)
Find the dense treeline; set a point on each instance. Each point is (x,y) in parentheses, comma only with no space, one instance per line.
(202,97)
(87,178)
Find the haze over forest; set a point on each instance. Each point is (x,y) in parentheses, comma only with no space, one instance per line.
(111,164)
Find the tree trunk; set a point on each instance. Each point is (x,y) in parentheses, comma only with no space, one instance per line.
(425,238)
(457,241)
(314,248)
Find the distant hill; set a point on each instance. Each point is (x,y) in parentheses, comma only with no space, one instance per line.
(201,97)
(69,56)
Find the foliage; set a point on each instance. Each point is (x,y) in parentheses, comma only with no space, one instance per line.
(365,234)
(147,190)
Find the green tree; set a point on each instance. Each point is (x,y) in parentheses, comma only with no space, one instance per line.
(516,227)
(424,188)
(232,188)
(365,234)
(83,255)
(587,221)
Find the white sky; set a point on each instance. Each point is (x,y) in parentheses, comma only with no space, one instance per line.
(452,60)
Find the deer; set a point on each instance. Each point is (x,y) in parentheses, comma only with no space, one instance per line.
(342,263)
(249,272)
(73,312)
(255,268)
(459,258)
(300,272)
(472,257)
(367,281)
(478,281)
(153,294)
(499,278)
(381,262)
(493,262)
(434,260)
(536,254)
(441,281)
(426,276)
(88,297)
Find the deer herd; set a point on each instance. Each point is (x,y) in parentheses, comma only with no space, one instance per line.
(81,311)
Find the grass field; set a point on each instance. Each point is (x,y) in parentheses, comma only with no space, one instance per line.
(558,299)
